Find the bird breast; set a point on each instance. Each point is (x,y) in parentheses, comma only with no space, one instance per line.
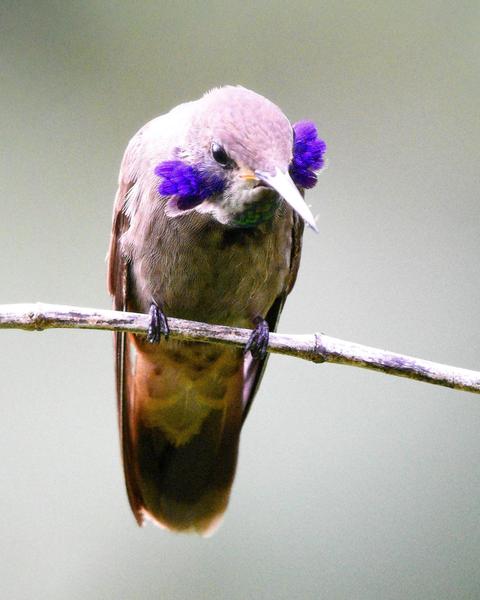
(196,268)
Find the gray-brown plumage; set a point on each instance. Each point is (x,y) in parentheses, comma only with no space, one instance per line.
(182,405)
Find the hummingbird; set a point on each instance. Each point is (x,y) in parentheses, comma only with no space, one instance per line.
(207,225)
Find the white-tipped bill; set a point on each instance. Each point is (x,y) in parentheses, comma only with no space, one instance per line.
(283,184)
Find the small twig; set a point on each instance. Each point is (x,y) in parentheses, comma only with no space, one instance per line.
(314,347)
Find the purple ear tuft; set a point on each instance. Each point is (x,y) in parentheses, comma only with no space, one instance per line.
(188,183)
(308,154)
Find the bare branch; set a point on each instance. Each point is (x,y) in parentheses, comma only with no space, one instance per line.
(316,347)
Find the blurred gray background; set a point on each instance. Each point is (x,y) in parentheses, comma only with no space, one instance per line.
(351,484)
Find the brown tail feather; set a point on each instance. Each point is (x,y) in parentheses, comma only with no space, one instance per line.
(124,383)
(181,426)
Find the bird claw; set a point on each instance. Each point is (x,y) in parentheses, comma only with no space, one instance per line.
(158,325)
(258,341)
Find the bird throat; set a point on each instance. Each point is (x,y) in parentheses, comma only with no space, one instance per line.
(257,212)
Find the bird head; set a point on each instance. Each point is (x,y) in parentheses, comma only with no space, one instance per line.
(240,159)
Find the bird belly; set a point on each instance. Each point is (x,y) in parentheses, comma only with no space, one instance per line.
(178,384)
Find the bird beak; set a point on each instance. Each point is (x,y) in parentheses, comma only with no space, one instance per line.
(282,183)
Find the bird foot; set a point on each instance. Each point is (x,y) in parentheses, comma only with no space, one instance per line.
(158,324)
(258,341)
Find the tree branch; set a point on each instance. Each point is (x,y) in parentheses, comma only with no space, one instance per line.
(316,347)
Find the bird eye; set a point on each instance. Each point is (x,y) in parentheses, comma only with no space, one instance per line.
(220,156)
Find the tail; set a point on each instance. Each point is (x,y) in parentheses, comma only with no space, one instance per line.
(182,415)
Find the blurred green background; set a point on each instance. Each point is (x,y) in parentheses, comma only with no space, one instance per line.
(351,484)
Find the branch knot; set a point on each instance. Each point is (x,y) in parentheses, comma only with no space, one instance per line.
(319,351)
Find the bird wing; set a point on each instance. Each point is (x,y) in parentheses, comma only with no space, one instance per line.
(254,368)
(118,286)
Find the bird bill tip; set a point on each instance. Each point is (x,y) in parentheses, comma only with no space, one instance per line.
(284,185)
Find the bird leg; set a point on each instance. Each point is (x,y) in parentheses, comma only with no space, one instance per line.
(158,324)
(258,341)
